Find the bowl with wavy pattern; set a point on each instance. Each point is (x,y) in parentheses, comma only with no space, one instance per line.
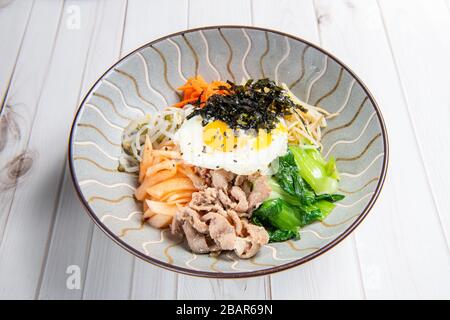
(145,81)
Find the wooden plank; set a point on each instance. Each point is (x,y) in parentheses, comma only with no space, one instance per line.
(293,17)
(335,274)
(420,29)
(225,12)
(14,17)
(241,289)
(394,244)
(129,277)
(203,13)
(69,246)
(43,187)
(24,237)
(113,282)
(72,232)
(20,104)
(402,235)
(147,21)
(104,280)
(152,282)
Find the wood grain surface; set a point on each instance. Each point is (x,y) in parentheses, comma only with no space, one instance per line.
(51,52)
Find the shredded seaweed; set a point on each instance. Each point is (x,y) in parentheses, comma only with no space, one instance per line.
(255,105)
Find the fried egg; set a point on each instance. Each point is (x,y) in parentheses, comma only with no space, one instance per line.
(217,146)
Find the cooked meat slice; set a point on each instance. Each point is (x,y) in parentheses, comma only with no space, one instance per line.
(176,227)
(202,172)
(198,181)
(257,233)
(194,220)
(260,192)
(241,246)
(210,194)
(244,183)
(202,207)
(225,199)
(197,241)
(239,195)
(246,187)
(220,210)
(247,247)
(228,175)
(204,200)
(244,215)
(190,216)
(236,221)
(215,218)
(220,230)
(240,180)
(221,178)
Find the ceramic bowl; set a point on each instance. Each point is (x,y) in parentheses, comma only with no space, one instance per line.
(145,81)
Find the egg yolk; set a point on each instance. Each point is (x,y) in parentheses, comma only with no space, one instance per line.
(218,136)
(264,138)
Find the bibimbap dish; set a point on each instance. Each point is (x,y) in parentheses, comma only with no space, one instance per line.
(228,152)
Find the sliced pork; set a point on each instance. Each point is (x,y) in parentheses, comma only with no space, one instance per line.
(247,247)
(239,195)
(260,192)
(216,217)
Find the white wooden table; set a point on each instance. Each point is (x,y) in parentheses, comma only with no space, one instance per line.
(51,52)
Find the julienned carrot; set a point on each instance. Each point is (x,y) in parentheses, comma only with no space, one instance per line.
(197,87)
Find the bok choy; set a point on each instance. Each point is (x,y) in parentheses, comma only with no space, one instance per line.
(294,202)
(321,175)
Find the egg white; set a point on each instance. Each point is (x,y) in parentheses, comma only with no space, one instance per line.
(243,160)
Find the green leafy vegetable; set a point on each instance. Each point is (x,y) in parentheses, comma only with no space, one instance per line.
(325,206)
(282,220)
(330,197)
(279,214)
(278,235)
(289,179)
(321,175)
(293,204)
(275,235)
(288,184)
(279,218)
